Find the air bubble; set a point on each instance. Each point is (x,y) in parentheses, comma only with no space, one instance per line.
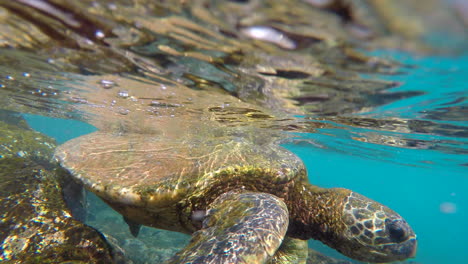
(107,84)
(9,77)
(79,100)
(25,74)
(124,111)
(270,35)
(99,34)
(123,94)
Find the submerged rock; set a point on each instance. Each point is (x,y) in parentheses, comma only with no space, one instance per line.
(36,226)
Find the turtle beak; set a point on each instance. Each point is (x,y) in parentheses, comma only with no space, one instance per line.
(405,249)
(415,247)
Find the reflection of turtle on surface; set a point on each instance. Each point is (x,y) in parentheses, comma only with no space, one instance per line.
(244,200)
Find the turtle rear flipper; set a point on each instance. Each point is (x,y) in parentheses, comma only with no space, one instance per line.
(238,228)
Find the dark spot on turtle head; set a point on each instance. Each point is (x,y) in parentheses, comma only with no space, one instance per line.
(369,224)
(361,214)
(355,230)
(360,226)
(397,230)
(368,233)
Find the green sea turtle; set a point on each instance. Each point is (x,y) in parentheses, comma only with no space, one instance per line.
(238,195)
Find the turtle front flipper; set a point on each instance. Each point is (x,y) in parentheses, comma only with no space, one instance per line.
(238,228)
(291,251)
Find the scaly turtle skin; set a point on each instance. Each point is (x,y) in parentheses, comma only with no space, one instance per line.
(237,195)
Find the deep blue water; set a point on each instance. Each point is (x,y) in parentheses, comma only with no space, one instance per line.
(426,186)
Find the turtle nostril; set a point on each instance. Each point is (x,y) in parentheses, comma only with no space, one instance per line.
(397,231)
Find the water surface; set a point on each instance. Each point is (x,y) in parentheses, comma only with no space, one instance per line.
(392,126)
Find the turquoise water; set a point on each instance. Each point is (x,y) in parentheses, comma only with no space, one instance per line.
(426,185)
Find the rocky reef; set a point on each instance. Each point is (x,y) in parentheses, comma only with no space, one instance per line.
(36,226)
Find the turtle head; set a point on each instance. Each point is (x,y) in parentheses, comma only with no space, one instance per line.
(373,232)
(356,226)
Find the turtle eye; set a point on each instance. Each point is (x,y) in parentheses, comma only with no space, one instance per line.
(396,230)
